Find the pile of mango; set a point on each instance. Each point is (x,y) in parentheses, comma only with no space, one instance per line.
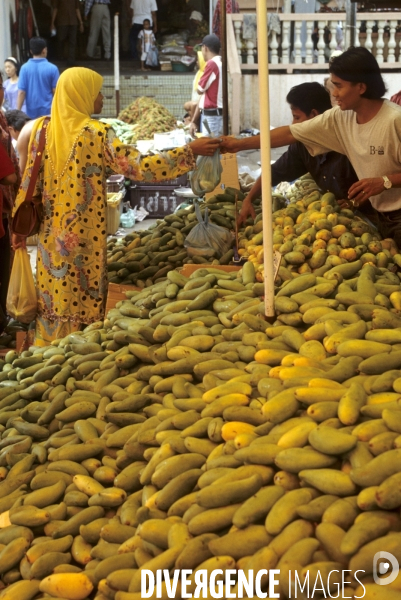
(143,257)
(185,432)
(313,235)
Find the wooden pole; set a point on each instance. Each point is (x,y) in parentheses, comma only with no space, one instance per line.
(263,68)
(116,64)
(224,64)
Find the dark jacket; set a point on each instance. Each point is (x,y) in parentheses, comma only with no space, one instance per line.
(332,171)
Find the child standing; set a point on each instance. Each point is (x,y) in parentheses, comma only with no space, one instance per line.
(148,42)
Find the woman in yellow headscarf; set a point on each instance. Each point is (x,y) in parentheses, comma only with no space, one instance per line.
(71,263)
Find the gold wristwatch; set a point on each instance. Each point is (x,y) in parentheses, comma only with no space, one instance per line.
(387,183)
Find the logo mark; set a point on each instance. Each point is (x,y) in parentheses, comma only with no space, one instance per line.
(382,561)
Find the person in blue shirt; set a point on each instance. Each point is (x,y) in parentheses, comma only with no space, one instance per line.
(37,81)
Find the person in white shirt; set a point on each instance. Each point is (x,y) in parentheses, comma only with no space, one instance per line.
(141,10)
(147,40)
(363,126)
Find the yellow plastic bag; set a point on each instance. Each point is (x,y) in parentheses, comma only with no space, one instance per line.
(21,296)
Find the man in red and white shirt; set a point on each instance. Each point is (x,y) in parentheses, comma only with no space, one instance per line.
(210,104)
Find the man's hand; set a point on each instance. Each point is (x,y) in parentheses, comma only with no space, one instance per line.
(18,241)
(246,211)
(362,190)
(205,146)
(229,144)
(192,129)
(344,203)
(81,27)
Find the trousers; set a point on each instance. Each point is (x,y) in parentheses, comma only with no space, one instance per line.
(67,32)
(215,124)
(133,40)
(100,21)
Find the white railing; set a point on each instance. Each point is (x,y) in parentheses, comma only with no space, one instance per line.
(294,48)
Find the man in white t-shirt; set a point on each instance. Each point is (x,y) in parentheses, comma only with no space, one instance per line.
(141,10)
(364,127)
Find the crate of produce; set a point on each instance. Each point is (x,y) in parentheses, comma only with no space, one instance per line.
(116,293)
(179,67)
(157,200)
(114,211)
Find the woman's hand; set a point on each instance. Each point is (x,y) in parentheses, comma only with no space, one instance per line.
(205,146)
(362,190)
(18,241)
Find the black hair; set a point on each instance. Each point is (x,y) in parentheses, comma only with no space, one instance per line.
(212,42)
(15,62)
(16,119)
(308,97)
(37,45)
(144,21)
(358,65)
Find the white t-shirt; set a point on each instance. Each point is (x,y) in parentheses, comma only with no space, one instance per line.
(143,10)
(373,148)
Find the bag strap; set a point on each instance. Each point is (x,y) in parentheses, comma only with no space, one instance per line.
(38,160)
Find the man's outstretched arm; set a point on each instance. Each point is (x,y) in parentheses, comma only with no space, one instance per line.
(281,136)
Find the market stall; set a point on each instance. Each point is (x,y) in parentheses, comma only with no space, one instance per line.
(187,447)
(186,432)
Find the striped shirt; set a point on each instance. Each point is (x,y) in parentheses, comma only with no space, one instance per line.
(210,85)
(90,3)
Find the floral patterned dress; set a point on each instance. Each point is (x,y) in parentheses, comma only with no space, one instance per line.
(71,262)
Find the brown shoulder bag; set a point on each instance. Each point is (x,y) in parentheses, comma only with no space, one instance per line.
(29,215)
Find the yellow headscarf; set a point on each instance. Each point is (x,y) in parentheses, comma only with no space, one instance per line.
(202,65)
(73,102)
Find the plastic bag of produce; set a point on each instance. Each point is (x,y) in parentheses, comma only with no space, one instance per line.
(207,239)
(152,58)
(207,174)
(21,297)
